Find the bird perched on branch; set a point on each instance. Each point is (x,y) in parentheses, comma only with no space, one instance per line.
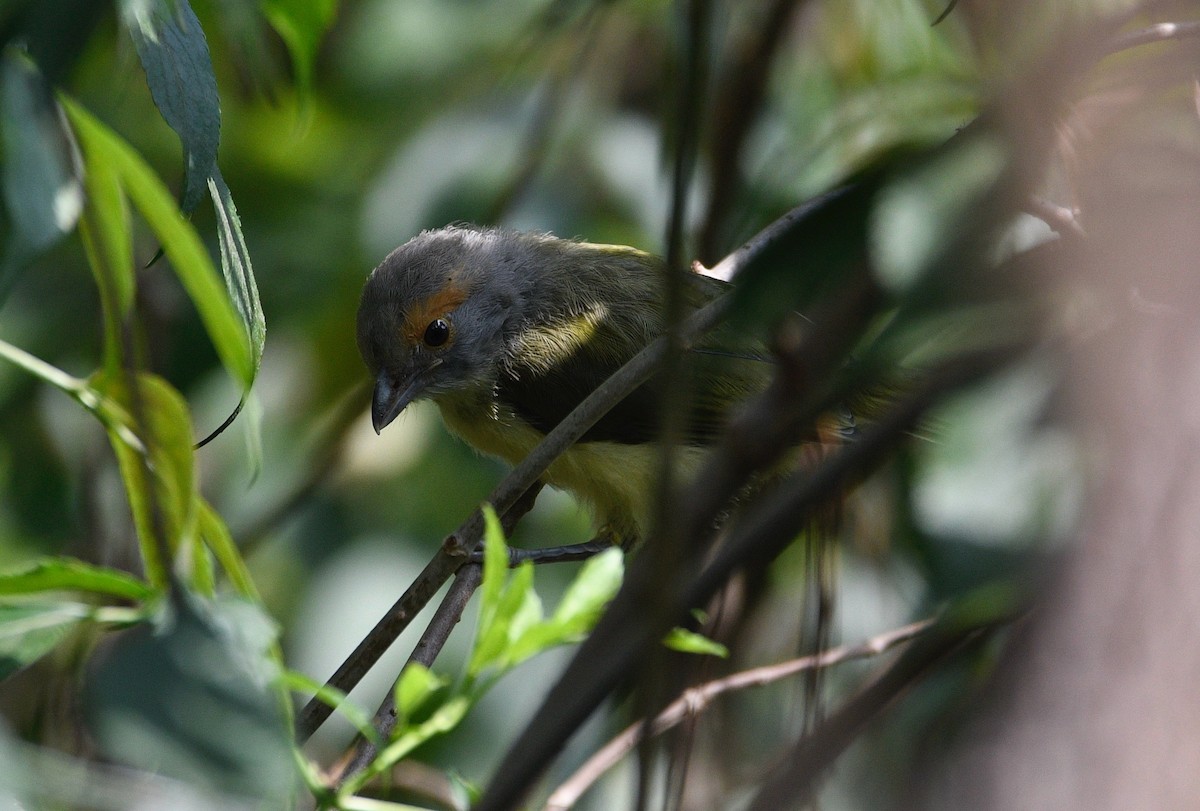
(508,331)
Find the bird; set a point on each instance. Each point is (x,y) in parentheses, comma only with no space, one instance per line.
(506,331)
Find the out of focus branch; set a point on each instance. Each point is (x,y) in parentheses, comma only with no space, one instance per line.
(696,699)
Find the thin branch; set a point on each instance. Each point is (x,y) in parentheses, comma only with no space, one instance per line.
(1062,220)
(792,782)
(696,699)
(1160,32)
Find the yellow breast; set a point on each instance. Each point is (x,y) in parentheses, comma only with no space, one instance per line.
(616,481)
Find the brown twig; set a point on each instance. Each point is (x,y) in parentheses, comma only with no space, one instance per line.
(1062,220)
(696,699)
(1159,32)
(791,783)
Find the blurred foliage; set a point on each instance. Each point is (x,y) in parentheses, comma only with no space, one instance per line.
(345,128)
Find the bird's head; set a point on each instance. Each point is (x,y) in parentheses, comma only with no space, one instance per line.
(434,317)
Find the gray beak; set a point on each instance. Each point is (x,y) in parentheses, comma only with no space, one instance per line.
(392,395)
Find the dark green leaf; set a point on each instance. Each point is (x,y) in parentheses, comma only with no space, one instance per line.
(235,264)
(188,700)
(42,192)
(69,574)
(171,46)
(823,246)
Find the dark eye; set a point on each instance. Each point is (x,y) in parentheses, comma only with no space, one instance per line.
(437,333)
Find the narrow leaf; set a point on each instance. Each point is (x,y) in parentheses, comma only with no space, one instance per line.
(691,642)
(179,240)
(235,264)
(174,54)
(166,502)
(70,574)
(216,535)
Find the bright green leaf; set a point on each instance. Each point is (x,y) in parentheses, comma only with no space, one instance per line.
(592,589)
(691,642)
(415,685)
(495,565)
(167,502)
(216,535)
(517,609)
(179,240)
(443,719)
(69,574)
(174,54)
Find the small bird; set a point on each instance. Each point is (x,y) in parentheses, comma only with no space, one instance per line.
(507,331)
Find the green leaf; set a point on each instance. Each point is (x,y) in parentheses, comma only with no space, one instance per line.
(235,264)
(443,719)
(188,699)
(167,502)
(301,24)
(581,606)
(108,243)
(216,535)
(29,632)
(495,565)
(593,588)
(414,687)
(179,240)
(69,574)
(686,641)
(517,610)
(335,699)
(174,54)
(42,192)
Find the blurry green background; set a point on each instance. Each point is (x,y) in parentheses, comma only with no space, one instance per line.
(542,115)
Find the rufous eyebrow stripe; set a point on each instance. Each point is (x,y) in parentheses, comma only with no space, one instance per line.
(439,305)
